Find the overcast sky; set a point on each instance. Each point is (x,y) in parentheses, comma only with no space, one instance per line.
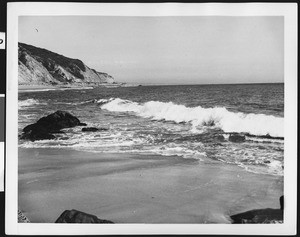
(166,50)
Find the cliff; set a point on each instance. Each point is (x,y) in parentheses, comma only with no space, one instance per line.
(39,66)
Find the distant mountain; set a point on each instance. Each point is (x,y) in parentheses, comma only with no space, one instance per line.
(39,66)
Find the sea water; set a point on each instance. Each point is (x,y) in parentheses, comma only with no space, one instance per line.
(189,121)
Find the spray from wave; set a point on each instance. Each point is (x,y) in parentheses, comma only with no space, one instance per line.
(220,117)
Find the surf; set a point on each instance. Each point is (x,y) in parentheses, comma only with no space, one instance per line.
(198,117)
(28,103)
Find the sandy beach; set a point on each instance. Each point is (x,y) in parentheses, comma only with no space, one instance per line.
(132,188)
(36,88)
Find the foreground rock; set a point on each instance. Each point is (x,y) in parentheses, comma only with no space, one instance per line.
(74,216)
(267,215)
(46,126)
(22,218)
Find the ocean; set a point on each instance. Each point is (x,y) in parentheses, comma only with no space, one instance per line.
(186,121)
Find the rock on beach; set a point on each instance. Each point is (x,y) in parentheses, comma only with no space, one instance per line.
(46,126)
(265,216)
(75,216)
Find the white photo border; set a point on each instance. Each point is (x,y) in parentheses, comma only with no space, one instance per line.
(288,10)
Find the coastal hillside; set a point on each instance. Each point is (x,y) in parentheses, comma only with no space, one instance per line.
(39,66)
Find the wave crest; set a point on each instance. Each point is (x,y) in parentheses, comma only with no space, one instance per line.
(255,124)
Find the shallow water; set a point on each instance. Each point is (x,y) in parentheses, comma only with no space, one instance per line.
(192,122)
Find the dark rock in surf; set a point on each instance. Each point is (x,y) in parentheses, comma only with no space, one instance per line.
(93,129)
(267,215)
(236,138)
(267,136)
(34,135)
(220,138)
(55,122)
(281,201)
(46,126)
(89,129)
(74,216)
(207,137)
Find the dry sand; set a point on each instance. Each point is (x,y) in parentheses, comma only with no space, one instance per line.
(127,188)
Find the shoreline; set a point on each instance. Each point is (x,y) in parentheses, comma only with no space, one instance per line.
(37,88)
(27,88)
(134,188)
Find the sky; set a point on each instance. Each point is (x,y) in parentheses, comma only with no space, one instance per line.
(166,50)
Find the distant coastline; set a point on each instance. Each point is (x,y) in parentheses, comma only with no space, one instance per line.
(26,88)
(41,67)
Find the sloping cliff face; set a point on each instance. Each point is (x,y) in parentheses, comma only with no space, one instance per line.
(39,66)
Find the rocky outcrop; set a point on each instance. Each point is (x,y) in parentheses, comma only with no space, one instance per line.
(39,66)
(46,126)
(74,216)
(267,215)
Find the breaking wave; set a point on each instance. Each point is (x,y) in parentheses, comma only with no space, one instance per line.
(27,103)
(220,117)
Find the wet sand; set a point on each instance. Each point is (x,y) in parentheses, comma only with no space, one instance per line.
(132,188)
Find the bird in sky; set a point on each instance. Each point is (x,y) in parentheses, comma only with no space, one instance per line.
(36,30)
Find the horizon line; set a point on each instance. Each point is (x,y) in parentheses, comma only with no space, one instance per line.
(239,83)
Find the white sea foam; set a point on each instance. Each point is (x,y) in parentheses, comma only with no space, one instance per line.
(117,140)
(276,167)
(28,103)
(256,124)
(185,152)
